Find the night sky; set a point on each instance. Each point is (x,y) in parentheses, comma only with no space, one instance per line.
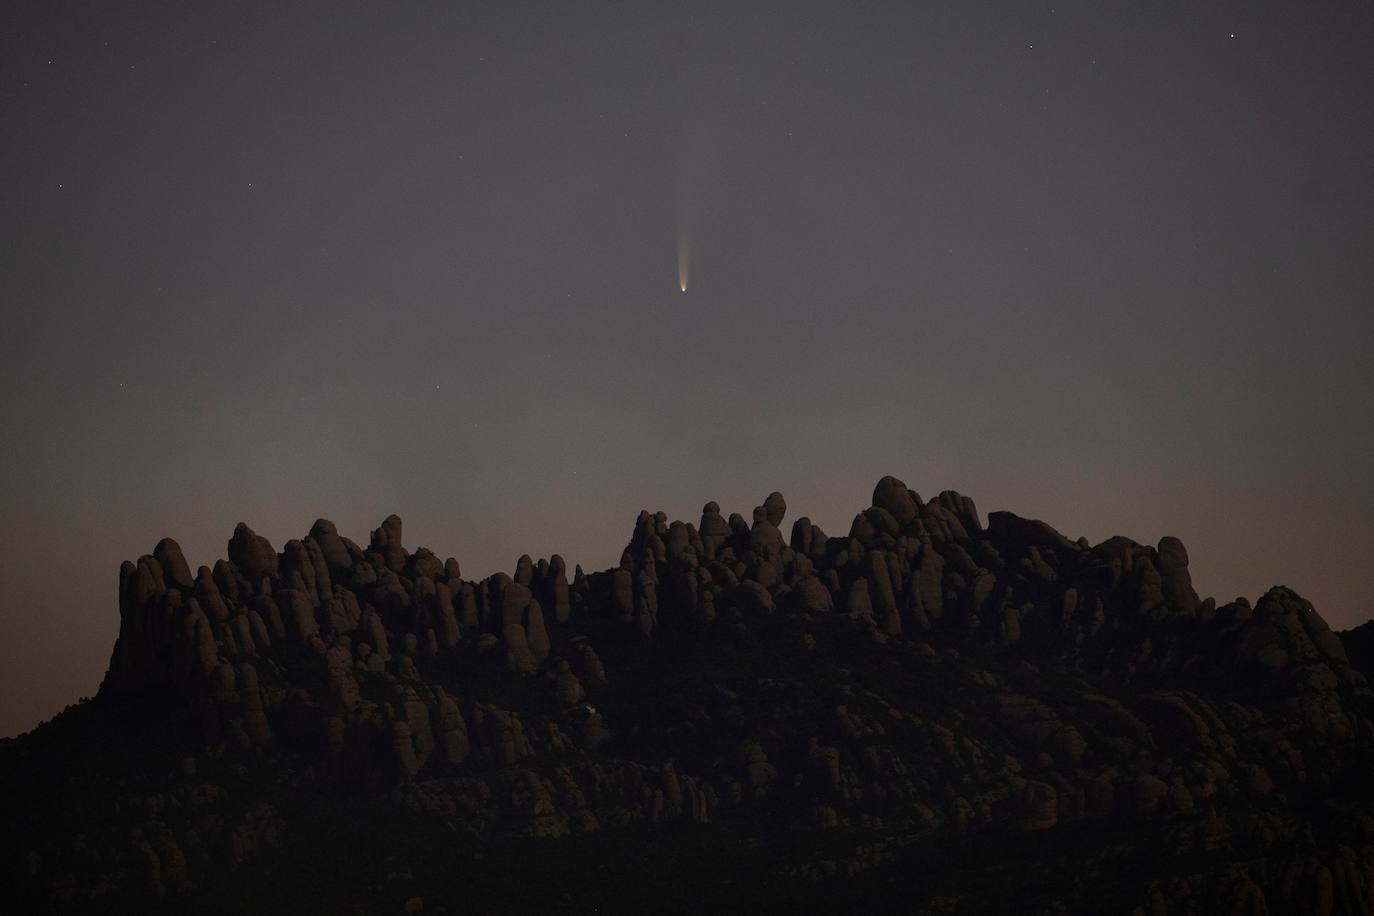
(1103,263)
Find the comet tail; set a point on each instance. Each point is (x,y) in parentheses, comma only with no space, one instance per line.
(682,261)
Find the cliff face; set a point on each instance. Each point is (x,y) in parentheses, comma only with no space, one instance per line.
(925,712)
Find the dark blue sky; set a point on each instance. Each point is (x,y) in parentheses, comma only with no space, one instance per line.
(1102,263)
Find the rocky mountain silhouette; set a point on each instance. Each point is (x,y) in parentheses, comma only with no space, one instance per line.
(927,714)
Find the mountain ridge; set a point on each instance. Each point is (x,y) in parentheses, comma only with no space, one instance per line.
(838,713)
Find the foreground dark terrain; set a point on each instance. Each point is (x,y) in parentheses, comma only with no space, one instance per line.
(927,714)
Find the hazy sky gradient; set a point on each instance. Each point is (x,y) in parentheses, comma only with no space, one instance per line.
(1102,263)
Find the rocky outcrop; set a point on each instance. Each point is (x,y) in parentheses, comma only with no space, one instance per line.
(919,680)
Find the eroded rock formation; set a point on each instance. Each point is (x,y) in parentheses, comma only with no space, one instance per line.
(923,680)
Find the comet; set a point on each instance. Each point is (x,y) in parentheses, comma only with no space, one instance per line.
(683,259)
(686,226)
